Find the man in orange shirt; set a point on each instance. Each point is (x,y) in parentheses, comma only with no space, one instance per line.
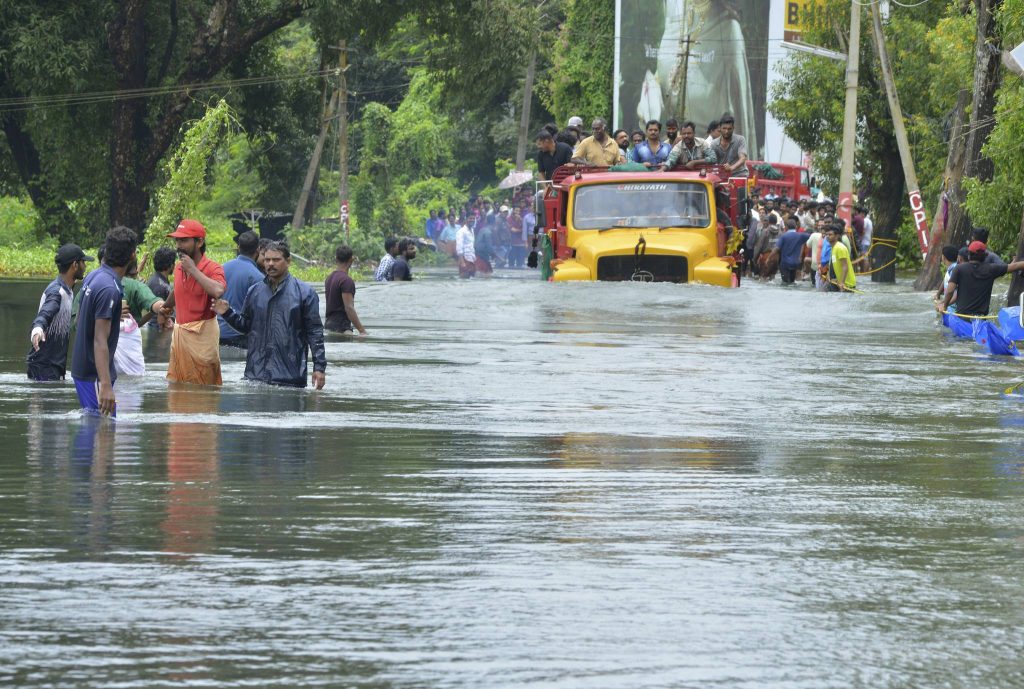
(195,343)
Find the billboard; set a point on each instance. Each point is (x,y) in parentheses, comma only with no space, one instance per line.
(693,60)
(796,15)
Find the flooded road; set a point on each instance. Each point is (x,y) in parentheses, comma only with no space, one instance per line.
(513,483)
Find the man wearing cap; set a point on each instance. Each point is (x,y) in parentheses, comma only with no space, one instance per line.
(970,284)
(51,328)
(195,343)
(598,148)
(575,129)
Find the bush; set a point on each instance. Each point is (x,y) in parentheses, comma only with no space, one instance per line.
(18,222)
(430,194)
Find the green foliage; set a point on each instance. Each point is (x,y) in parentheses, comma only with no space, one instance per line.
(391,217)
(186,170)
(234,184)
(27,261)
(420,141)
(18,222)
(580,82)
(374,179)
(998,204)
(431,194)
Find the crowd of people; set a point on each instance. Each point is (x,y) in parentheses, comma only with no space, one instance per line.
(252,302)
(482,235)
(805,240)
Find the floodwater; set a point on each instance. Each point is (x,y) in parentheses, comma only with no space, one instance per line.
(520,484)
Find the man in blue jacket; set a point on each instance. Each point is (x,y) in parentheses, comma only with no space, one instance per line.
(281,316)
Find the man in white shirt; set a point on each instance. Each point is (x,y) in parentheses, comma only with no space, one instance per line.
(465,253)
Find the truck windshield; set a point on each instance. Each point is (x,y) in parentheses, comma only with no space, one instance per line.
(640,204)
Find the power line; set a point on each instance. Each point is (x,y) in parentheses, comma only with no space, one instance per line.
(91,97)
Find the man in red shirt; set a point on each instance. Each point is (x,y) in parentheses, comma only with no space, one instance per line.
(195,343)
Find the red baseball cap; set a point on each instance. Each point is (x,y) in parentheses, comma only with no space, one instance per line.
(189,228)
(977,247)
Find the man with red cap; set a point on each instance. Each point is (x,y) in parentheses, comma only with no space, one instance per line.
(970,284)
(195,343)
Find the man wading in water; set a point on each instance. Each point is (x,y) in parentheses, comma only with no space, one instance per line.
(970,284)
(195,344)
(281,316)
(51,328)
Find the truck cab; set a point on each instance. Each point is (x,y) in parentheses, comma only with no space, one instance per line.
(642,226)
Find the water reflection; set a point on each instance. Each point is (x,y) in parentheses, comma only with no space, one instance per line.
(193,474)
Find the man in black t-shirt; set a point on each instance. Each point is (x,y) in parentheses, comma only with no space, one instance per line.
(971,282)
(340,295)
(550,154)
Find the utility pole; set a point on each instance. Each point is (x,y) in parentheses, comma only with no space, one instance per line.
(299,217)
(343,138)
(909,174)
(845,205)
(524,116)
(686,72)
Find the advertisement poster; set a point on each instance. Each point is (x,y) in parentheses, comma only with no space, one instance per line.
(693,60)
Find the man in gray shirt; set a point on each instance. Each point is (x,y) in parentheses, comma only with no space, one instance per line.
(731,148)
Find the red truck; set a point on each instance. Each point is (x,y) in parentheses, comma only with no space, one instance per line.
(795,182)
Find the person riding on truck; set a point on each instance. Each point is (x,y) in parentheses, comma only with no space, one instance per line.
(598,149)
(690,151)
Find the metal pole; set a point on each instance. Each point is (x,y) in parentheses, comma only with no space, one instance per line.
(909,174)
(845,205)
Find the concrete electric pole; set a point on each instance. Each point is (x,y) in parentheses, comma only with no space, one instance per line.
(844,207)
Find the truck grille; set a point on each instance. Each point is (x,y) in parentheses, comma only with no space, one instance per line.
(651,268)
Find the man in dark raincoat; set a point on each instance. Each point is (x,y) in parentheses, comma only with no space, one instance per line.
(281,317)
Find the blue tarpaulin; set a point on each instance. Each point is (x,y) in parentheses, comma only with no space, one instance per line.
(959,326)
(1009,321)
(994,340)
(991,336)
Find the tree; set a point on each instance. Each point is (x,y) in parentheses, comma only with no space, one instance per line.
(137,66)
(810,107)
(580,79)
(997,204)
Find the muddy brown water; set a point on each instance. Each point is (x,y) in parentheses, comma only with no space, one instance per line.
(513,483)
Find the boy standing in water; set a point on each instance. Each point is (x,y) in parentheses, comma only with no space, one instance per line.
(51,328)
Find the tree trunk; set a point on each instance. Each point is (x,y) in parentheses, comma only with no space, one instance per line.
(930,275)
(524,115)
(888,207)
(136,149)
(126,41)
(987,62)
